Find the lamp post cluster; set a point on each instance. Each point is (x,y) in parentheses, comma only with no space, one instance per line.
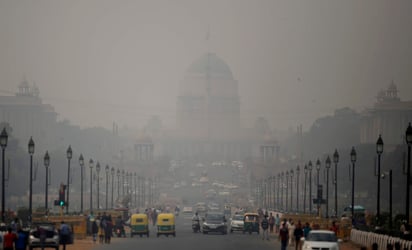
(133,183)
(277,191)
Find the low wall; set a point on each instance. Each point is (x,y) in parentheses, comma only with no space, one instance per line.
(368,238)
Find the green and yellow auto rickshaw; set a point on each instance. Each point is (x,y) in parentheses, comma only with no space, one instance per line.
(251,223)
(166,224)
(139,225)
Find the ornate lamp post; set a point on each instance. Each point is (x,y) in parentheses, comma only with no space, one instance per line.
(335,181)
(46,164)
(327,166)
(91,164)
(353,160)
(281,191)
(305,170)
(379,151)
(408,137)
(310,166)
(297,188)
(287,186)
(118,183)
(123,182)
(107,186)
(3,144)
(318,196)
(31,152)
(81,163)
(69,154)
(98,182)
(291,172)
(278,191)
(112,172)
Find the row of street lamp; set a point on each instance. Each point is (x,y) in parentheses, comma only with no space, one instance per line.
(268,185)
(139,181)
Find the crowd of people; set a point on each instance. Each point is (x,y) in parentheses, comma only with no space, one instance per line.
(288,233)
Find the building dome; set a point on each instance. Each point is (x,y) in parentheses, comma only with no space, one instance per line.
(212,65)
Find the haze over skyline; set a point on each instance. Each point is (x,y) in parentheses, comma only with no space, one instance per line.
(102,61)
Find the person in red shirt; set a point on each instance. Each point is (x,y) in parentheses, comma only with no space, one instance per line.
(8,240)
(334,228)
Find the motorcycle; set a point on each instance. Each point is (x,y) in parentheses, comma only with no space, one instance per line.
(196,226)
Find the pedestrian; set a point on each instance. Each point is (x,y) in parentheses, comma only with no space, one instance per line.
(306,230)
(9,239)
(21,242)
(271,222)
(334,228)
(64,234)
(277,223)
(284,236)
(265,225)
(291,229)
(42,236)
(95,230)
(298,234)
(108,231)
(101,234)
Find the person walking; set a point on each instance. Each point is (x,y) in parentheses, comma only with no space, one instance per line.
(95,230)
(291,229)
(306,230)
(21,242)
(265,225)
(283,236)
(271,222)
(108,231)
(64,234)
(277,223)
(9,239)
(298,233)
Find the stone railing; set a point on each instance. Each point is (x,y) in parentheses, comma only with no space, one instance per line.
(366,239)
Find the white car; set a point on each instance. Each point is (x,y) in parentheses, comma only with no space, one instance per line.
(321,239)
(236,223)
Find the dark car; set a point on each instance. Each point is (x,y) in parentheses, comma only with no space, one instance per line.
(49,232)
(214,222)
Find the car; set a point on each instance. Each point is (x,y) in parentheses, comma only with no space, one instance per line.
(187,211)
(236,223)
(214,222)
(52,236)
(321,239)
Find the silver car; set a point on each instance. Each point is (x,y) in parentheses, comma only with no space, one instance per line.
(51,236)
(236,223)
(321,239)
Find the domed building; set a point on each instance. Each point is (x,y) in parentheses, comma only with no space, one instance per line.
(208,116)
(208,103)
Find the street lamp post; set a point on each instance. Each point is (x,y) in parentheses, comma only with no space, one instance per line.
(107,186)
(81,163)
(327,166)
(310,166)
(98,183)
(353,160)
(408,137)
(118,184)
(291,189)
(379,151)
(390,195)
(91,163)
(305,170)
(69,154)
(3,144)
(287,186)
(335,182)
(112,172)
(46,164)
(31,152)
(278,192)
(318,196)
(297,188)
(281,191)
(123,182)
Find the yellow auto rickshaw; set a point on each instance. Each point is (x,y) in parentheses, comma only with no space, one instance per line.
(166,224)
(139,224)
(251,223)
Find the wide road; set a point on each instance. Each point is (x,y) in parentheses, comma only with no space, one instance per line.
(187,240)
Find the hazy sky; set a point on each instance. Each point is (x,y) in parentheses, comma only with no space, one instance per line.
(102,61)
